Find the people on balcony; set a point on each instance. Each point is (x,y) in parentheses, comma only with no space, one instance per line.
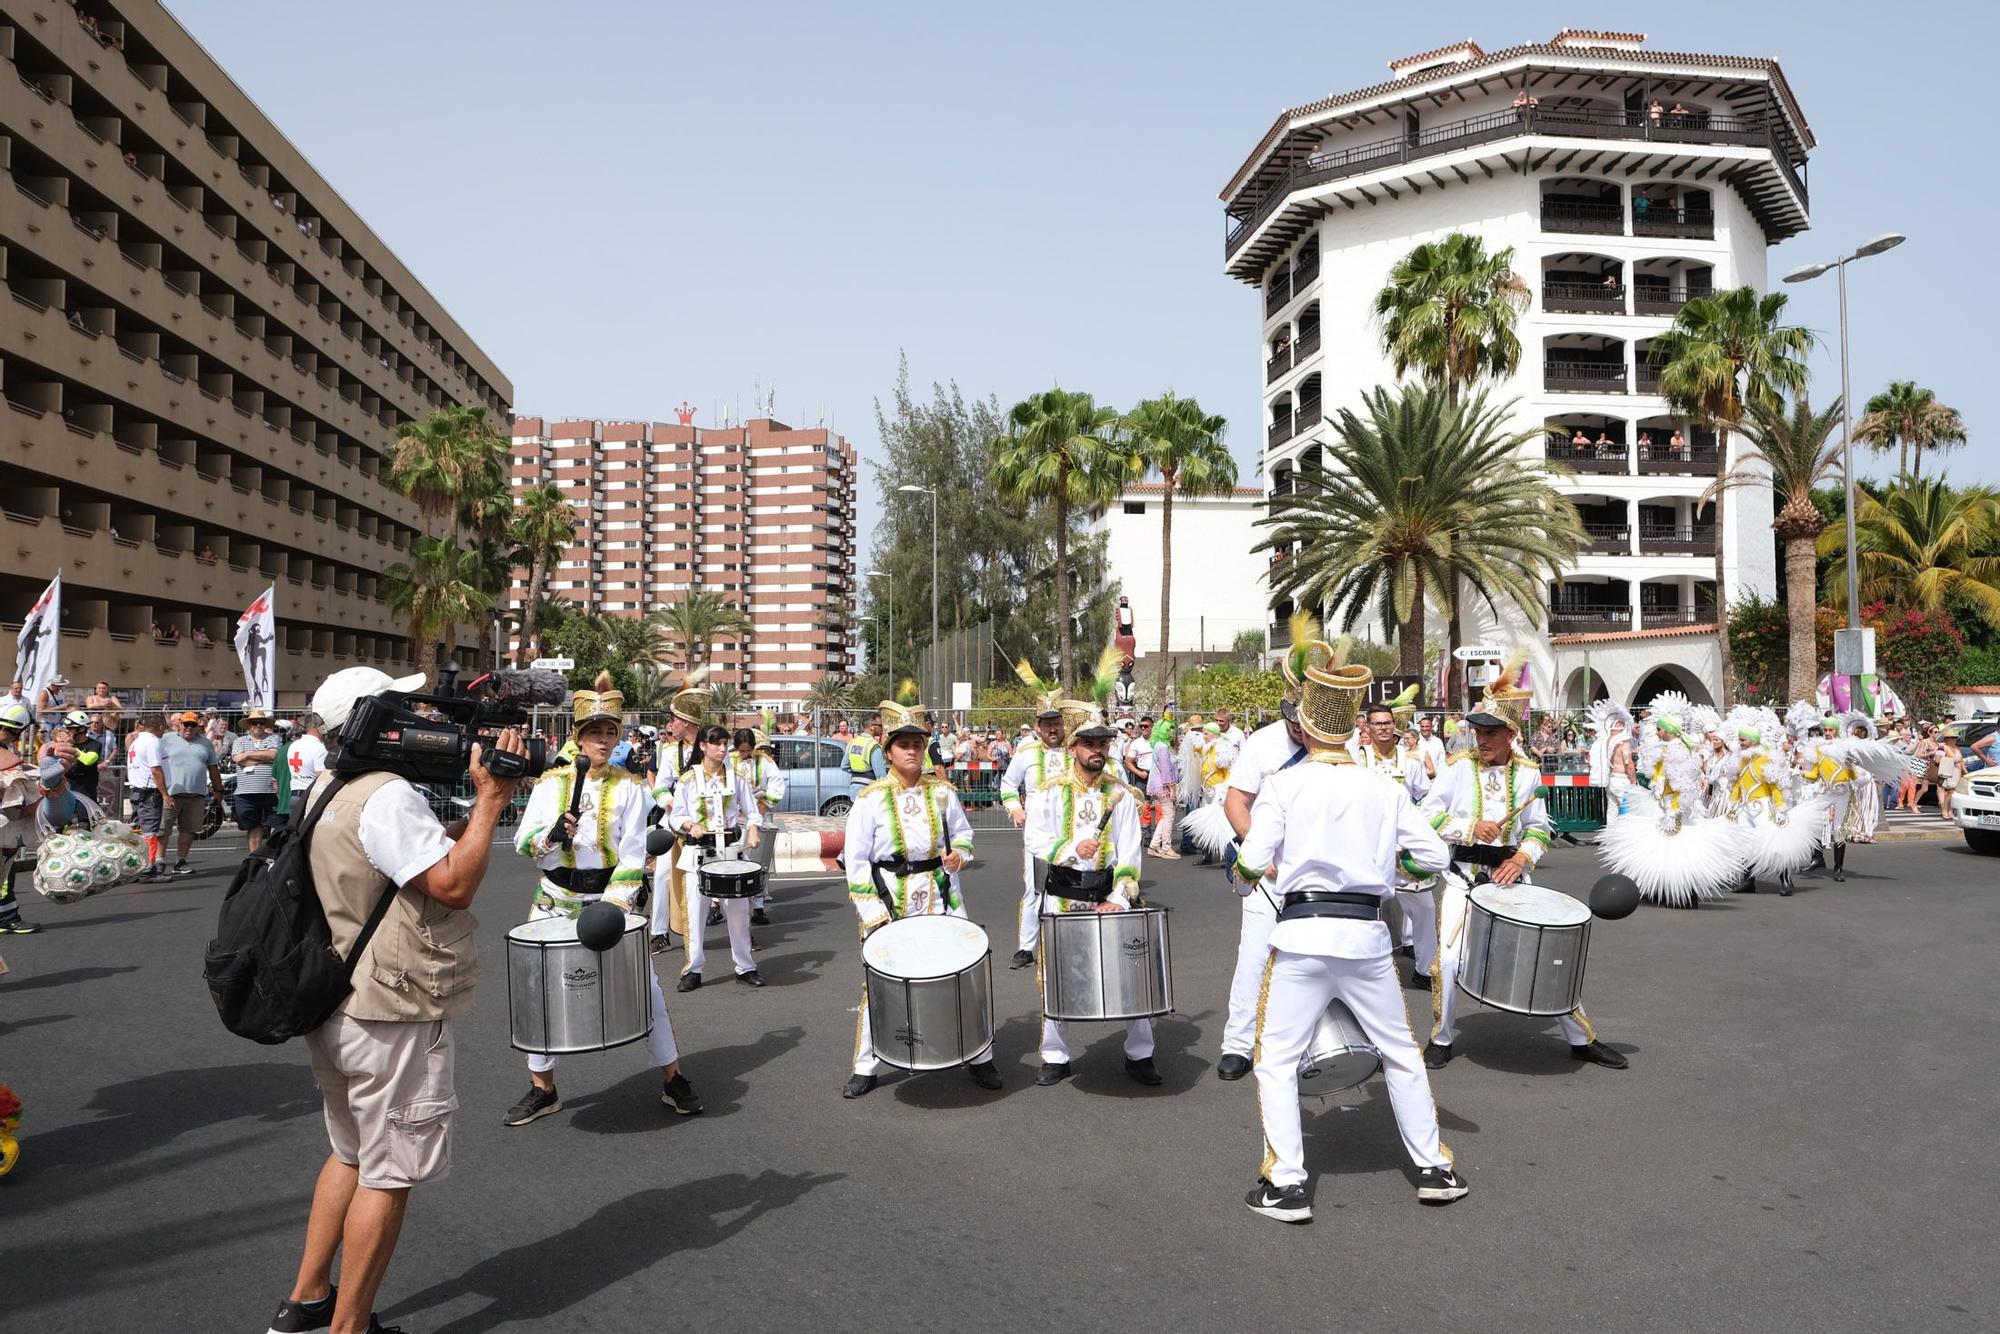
(1678,445)
(1654,111)
(1580,441)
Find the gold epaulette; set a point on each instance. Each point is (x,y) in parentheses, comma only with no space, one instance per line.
(1458,756)
(887,781)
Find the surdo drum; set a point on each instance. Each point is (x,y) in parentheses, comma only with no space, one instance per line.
(1099,966)
(1340,1057)
(930,992)
(1524,949)
(563,997)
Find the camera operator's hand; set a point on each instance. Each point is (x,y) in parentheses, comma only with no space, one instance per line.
(484,784)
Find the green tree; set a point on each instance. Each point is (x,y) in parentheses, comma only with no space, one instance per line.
(1448,313)
(1183,444)
(544,523)
(1911,419)
(1923,546)
(1063,450)
(448,458)
(439,586)
(1793,447)
(1420,493)
(725,701)
(1723,351)
(695,622)
(830,693)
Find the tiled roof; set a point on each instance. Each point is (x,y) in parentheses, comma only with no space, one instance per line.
(1467,45)
(1593,34)
(1619,636)
(1159,489)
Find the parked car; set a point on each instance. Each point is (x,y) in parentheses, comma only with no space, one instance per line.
(1975,806)
(817,781)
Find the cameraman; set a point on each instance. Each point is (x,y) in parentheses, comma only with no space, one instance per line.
(383,1062)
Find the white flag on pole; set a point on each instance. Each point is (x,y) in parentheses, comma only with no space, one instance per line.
(38,649)
(257,648)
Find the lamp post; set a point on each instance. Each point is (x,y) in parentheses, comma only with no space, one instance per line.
(936,663)
(889,636)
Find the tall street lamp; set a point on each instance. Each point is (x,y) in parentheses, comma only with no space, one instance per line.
(1854,647)
(937,664)
(889,636)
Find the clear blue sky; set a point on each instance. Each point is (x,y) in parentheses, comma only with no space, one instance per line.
(632,204)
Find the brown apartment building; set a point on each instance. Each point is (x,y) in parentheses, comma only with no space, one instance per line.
(760,514)
(205,358)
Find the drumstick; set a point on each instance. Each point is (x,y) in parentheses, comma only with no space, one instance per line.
(1533,796)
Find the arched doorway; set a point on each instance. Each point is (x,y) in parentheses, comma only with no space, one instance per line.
(1583,689)
(1668,677)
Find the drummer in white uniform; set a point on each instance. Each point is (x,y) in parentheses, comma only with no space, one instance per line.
(591,844)
(1330,836)
(678,753)
(1408,768)
(715,817)
(1487,805)
(1085,826)
(907,839)
(757,764)
(1040,759)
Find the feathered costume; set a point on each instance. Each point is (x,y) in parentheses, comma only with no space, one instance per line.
(1666,843)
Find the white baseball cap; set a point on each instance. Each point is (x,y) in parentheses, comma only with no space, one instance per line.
(336,695)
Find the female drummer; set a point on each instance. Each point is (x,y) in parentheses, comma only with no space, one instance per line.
(591,844)
(714,812)
(759,770)
(907,838)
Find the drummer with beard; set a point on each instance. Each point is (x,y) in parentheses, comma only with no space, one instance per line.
(1487,805)
(907,839)
(1334,838)
(590,842)
(1085,826)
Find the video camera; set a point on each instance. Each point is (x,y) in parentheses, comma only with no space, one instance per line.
(389,732)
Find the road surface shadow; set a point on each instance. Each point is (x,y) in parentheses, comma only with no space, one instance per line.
(63,978)
(1016,1054)
(1100,1068)
(632,1106)
(1521,1044)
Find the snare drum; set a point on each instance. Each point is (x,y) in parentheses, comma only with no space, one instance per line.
(1524,949)
(1098,966)
(930,992)
(1340,1057)
(564,998)
(731,878)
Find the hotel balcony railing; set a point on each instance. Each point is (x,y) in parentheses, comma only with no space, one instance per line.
(1359,159)
(1661,618)
(1591,219)
(1649,376)
(1280,362)
(1666,461)
(1662,221)
(1589,377)
(1277,295)
(1307,416)
(1592,458)
(1307,345)
(1305,271)
(1280,430)
(1583,298)
(1585,618)
(1665,300)
(1607,539)
(1677,539)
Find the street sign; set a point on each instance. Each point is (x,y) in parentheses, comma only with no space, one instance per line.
(961,695)
(1854,652)
(1468,652)
(554,664)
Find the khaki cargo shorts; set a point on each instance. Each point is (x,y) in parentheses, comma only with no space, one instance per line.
(389,1097)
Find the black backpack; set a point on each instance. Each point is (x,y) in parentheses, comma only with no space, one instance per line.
(271,969)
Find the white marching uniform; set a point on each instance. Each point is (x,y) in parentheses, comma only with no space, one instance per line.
(898,825)
(672,757)
(720,803)
(1328,827)
(1062,814)
(610,833)
(1033,764)
(1467,792)
(1265,751)
(1405,769)
(768,784)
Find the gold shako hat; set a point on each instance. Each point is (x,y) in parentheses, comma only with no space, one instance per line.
(1505,703)
(690,702)
(1048,700)
(1330,696)
(1089,719)
(601,701)
(903,713)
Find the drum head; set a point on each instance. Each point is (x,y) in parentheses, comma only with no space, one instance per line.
(730,867)
(1535,905)
(933,946)
(549,931)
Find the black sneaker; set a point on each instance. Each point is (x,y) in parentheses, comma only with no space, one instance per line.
(17,927)
(1596,1053)
(535,1104)
(1287,1204)
(1023,959)
(750,979)
(150,873)
(1437,1055)
(688,982)
(1232,1066)
(985,1074)
(678,1094)
(661,943)
(858,1086)
(1052,1072)
(715,915)
(758,917)
(182,868)
(298,1317)
(1441,1185)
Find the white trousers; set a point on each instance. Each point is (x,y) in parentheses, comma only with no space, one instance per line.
(866,1062)
(765,854)
(663,891)
(735,913)
(1868,814)
(1576,1027)
(1839,797)
(1253,951)
(1300,987)
(661,1049)
(1616,795)
(1055,1032)
(1420,921)
(1032,871)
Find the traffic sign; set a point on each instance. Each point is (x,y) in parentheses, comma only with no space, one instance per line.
(1468,652)
(554,664)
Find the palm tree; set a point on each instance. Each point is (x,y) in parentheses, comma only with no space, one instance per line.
(1793,447)
(439,587)
(543,524)
(1922,545)
(1723,351)
(1184,445)
(1062,448)
(726,700)
(1418,495)
(649,690)
(829,694)
(696,621)
(1448,313)
(1913,420)
(448,458)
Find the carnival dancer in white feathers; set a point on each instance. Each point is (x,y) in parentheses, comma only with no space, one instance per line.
(1488,806)
(1779,828)
(585,827)
(714,816)
(1040,759)
(1085,826)
(907,839)
(678,753)
(1666,841)
(1613,760)
(1850,764)
(1335,841)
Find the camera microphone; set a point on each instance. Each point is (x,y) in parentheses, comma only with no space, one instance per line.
(533,685)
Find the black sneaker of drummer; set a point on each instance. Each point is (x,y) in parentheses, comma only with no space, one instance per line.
(1596,1053)
(535,1104)
(985,1074)
(688,982)
(297,1317)
(1441,1185)
(1287,1204)
(758,917)
(1023,959)
(1437,1055)
(678,1094)
(715,914)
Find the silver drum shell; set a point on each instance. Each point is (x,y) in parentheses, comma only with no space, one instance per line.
(931,1023)
(563,998)
(1340,1057)
(1522,967)
(1106,966)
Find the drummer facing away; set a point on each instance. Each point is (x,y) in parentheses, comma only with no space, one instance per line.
(907,839)
(590,845)
(1333,837)
(1487,804)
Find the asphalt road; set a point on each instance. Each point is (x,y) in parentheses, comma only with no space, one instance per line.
(1799,1143)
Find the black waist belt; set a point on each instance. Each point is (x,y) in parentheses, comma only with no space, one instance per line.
(1327,903)
(1483,854)
(1068,882)
(903,866)
(579,881)
(709,841)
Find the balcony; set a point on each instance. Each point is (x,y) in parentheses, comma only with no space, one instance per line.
(1280,430)
(1684,462)
(1305,271)
(1583,219)
(1665,300)
(1583,299)
(1602,460)
(1308,415)
(1590,618)
(1677,539)
(1584,377)
(1696,223)
(1607,539)
(1307,345)
(1665,618)
(1280,362)
(1277,294)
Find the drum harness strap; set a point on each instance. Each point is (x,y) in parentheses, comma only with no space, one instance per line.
(899,866)
(1483,854)
(1071,882)
(1305,903)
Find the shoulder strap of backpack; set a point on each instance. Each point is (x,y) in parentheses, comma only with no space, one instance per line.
(381,909)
